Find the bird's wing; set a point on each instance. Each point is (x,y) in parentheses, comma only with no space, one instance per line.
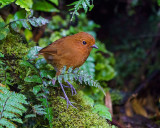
(48,50)
(53,48)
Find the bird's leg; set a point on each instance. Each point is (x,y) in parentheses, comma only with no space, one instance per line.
(53,81)
(73,90)
(66,97)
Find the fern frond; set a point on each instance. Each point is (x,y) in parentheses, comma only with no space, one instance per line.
(79,76)
(85,4)
(11,107)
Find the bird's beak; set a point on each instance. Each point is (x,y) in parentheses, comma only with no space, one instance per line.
(94,46)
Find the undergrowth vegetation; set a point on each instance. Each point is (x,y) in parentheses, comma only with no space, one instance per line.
(26,80)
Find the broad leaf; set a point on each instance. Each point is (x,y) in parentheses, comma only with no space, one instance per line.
(102,111)
(26,4)
(3,31)
(54,1)
(33,78)
(5,2)
(33,52)
(44,6)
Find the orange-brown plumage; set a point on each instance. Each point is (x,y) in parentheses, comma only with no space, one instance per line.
(70,51)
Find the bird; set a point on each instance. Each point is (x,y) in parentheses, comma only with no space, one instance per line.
(70,51)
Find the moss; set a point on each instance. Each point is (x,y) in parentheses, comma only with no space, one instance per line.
(13,46)
(75,118)
(14,50)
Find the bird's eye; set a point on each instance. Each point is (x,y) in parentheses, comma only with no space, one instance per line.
(84,42)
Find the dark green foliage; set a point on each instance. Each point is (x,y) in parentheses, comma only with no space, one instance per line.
(102,111)
(3,30)
(36,22)
(85,4)
(42,5)
(11,107)
(22,70)
(13,50)
(27,4)
(20,19)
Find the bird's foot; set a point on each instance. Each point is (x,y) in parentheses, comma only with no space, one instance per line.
(66,97)
(73,90)
(53,81)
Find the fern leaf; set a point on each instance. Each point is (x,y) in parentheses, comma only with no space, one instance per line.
(65,77)
(7,123)
(38,109)
(11,107)
(80,76)
(60,77)
(85,4)
(70,69)
(63,70)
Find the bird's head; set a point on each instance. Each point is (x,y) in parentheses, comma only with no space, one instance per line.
(85,40)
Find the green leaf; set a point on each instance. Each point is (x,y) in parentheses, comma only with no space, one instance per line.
(49,115)
(44,6)
(60,77)
(91,7)
(80,4)
(20,15)
(38,21)
(15,27)
(76,70)
(71,76)
(36,89)
(33,22)
(25,63)
(102,111)
(39,109)
(85,7)
(26,4)
(33,78)
(5,2)
(33,52)
(89,66)
(41,21)
(63,70)
(46,73)
(41,63)
(70,69)
(3,31)
(17,120)
(28,34)
(30,116)
(88,101)
(54,1)
(1,54)
(11,107)
(26,24)
(7,123)
(65,77)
